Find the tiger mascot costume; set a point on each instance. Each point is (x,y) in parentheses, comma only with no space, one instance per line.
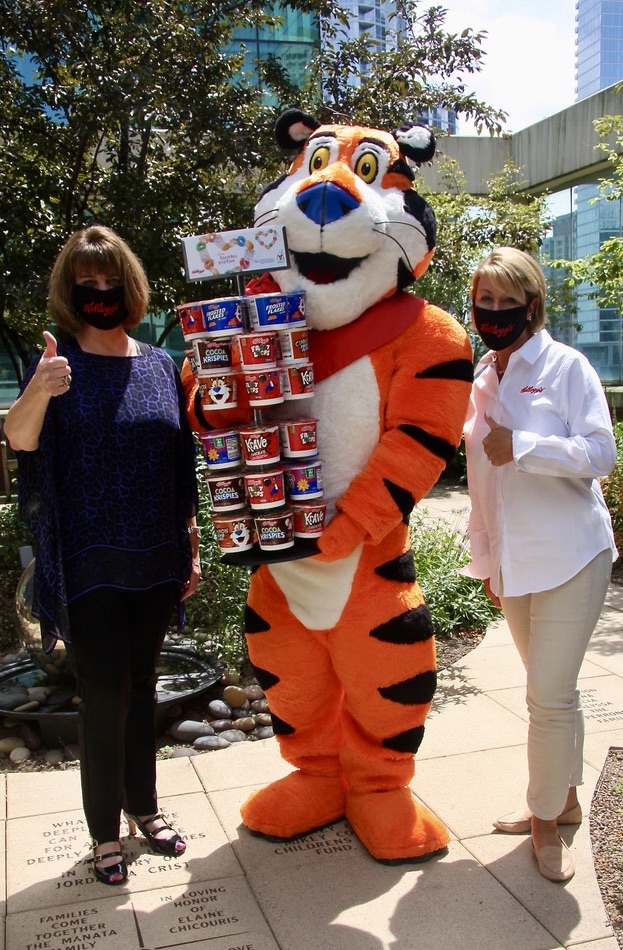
(342,642)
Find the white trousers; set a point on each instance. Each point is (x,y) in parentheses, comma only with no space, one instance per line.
(551,631)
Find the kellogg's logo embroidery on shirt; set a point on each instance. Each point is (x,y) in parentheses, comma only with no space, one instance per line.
(532,389)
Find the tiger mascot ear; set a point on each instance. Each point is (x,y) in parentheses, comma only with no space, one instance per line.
(294,127)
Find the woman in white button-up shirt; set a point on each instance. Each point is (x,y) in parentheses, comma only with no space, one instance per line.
(538,437)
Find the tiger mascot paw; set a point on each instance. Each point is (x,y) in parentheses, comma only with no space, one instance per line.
(295,805)
(394,828)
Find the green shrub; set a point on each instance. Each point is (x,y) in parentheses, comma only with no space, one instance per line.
(457,604)
(613,489)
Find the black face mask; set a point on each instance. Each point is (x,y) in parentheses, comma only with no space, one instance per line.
(500,328)
(102,309)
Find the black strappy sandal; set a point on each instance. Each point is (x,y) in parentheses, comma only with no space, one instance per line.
(173,846)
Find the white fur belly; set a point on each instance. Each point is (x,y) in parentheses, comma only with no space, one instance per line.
(347,408)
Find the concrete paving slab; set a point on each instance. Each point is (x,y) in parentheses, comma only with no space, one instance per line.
(50,859)
(497,635)
(43,793)
(572,912)
(610,943)
(2,880)
(606,645)
(614,597)
(493,668)
(375,907)
(597,745)
(176,777)
(241,764)
(464,720)
(2,796)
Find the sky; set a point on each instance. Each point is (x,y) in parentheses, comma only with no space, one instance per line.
(529,69)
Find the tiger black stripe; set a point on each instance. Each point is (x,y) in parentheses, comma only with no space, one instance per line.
(253,623)
(412,692)
(401,569)
(403,499)
(265,678)
(439,447)
(413,626)
(281,727)
(462,370)
(408,741)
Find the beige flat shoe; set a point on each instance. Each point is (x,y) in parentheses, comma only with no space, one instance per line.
(519,823)
(555,861)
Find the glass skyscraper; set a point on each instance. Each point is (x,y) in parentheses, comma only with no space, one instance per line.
(599,64)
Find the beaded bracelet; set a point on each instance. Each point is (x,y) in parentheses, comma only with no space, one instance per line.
(194,529)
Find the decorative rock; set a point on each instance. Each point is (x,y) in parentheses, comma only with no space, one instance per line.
(244,710)
(211,742)
(230,678)
(20,754)
(219,709)
(254,691)
(54,757)
(38,694)
(13,696)
(259,705)
(31,737)
(72,753)
(10,743)
(264,719)
(233,735)
(235,696)
(187,730)
(265,732)
(247,724)
(30,706)
(181,752)
(219,725)
(75,700)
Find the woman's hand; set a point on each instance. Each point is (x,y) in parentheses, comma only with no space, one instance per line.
(498,444)
(193,581)
(53,373)
(495,600)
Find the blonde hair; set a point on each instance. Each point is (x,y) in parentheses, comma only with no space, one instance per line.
(518,272)
(96,250)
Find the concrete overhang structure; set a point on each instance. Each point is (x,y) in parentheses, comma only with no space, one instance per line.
(553,154)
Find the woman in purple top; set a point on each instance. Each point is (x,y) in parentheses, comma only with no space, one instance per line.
(107,485)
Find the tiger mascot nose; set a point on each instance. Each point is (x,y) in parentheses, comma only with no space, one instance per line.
(326,202)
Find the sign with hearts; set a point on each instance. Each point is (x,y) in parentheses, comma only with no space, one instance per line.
(227,253)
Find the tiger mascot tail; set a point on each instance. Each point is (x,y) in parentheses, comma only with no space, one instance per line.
(342,643)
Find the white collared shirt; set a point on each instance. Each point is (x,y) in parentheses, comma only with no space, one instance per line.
(539,519)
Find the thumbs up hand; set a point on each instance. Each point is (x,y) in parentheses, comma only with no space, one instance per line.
(53,372)
(498,443)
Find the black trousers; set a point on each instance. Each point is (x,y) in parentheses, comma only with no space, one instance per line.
(116,640)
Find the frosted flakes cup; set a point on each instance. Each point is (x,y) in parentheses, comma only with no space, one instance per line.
(223,316)
(235,532)
(296,307)
(268,311)
(219,391)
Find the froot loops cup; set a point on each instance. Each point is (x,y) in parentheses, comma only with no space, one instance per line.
(212,356)
(190,316)
(304,480)
(257,350)
(219,392)
(298,438)
(296,306)
(294,345)
(297,381)
(260,444)
(263,387)
(226,491)
(222,448)
(265,489)
(268,311)
(275,530)
(235,532)
(309,519)
(223,316)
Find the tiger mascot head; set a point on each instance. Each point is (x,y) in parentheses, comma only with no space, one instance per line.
(357,229)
